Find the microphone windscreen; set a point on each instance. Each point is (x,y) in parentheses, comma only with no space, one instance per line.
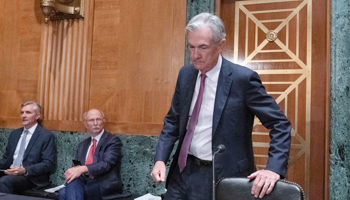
(221,148)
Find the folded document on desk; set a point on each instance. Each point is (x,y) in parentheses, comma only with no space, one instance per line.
(53,190)
(148,197)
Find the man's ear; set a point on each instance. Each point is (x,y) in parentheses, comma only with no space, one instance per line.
(38,116)
(222,44)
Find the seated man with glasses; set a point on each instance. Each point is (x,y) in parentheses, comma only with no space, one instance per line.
(96,174)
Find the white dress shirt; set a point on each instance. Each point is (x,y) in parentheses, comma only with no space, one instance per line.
(29,136)
(201,145)
(97,138)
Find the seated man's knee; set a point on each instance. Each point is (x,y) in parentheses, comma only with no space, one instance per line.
(62,194)
(75,183)
(5,185)
(74,190)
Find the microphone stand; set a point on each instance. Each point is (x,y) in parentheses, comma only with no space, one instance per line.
(221,148)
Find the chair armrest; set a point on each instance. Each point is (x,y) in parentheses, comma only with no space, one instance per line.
(239,189)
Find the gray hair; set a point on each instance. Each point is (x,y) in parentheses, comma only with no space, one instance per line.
(36,106)
(214,22)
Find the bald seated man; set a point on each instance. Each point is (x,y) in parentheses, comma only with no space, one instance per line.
(98,174)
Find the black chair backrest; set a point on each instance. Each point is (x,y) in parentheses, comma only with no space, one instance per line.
(239,189)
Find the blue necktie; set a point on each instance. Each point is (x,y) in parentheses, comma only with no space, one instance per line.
(22,148)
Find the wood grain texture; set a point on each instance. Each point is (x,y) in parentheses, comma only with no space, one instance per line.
(122,58)
(64,68)
(136,56)
(20,33)
(293,70)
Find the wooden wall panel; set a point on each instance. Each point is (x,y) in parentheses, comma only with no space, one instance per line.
(122,58)
(293,70)
(63,84)
(135,61)
(20,33)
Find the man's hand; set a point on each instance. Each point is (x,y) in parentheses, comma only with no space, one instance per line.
(264,181)
(74,173)
(15,171)
(158,172)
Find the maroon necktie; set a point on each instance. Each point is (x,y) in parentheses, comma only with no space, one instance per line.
(191,126)
(90,158)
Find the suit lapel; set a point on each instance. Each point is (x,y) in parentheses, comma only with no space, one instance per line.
(16,139)
(86,145)
(222,91)
(13,145)
(32,141)
(99,145)
(188,95)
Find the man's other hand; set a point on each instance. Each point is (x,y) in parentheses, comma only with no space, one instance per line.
(158,172)
(15,171)
(74,173)
(264,181)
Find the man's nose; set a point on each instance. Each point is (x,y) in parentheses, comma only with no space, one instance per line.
(196,53)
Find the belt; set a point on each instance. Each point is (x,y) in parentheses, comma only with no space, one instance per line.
(198,161)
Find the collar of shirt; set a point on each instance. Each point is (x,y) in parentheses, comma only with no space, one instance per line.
(31,129)
(213,74)
(98,137)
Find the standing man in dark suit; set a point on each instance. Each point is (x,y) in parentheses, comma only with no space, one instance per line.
(30,154)
(214,103)
(98,176)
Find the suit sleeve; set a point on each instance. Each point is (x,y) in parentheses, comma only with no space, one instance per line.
(48,157)
(270,115)
(4,158)
(112,153)
(170,132)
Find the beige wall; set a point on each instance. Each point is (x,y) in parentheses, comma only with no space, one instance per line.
(123,58)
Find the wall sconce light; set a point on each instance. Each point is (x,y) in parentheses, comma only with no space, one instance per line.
(62,9)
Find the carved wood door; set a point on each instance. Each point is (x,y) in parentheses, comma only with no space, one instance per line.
(275,38)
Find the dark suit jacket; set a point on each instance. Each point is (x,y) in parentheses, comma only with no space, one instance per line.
(239,97)
(39,158)
(106,166)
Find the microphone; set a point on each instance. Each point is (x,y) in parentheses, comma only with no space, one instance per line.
(220,149)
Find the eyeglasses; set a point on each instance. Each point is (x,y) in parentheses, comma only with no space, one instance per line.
(91,121)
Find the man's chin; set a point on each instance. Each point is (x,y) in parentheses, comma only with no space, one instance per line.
(28,124)
(199,67)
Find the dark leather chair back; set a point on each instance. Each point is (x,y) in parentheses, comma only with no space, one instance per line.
(239,189)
